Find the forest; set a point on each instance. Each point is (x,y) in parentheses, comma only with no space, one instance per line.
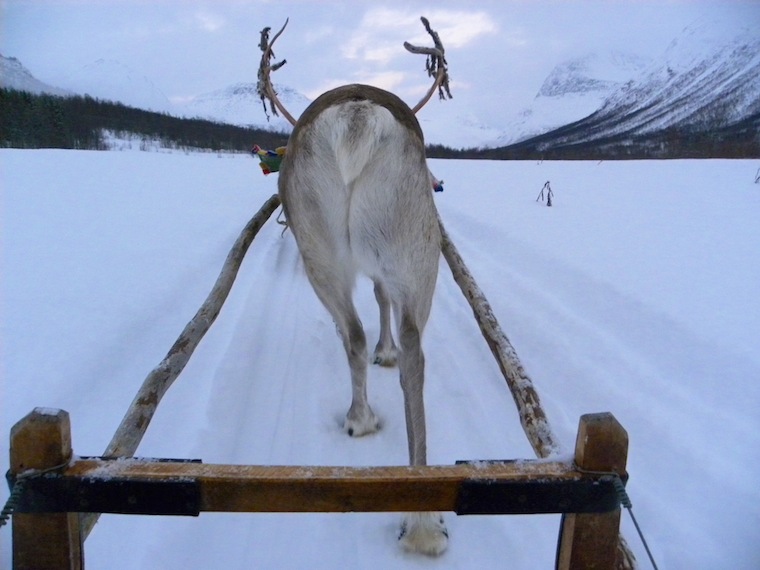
(50,121)
(81,122)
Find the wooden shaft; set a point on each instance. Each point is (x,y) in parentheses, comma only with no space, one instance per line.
(244,488)
(532,416)
(135,423)
(39,442)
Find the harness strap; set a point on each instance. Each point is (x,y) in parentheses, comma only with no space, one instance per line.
(270,161)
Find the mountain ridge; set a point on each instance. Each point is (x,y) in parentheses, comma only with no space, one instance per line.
(240,104)
(707,80)
(14,75)
(111,80)
(704,90)
(574,89)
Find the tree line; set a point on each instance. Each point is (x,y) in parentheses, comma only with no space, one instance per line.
(79,122)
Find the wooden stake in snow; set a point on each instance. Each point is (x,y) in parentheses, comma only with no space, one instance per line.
(130,432)
(549,194)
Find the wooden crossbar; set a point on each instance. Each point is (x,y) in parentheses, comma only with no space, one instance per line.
(138,486)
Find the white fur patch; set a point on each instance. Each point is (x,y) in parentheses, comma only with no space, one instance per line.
(424,533)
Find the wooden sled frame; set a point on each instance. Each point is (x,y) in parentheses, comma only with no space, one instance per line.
(59,497)
(59,488)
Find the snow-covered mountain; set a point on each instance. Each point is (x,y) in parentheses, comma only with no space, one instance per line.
(573,90)
(113,81)
(240,104)
(702,80)
(13,75)
(702,83)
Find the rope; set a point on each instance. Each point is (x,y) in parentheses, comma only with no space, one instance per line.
(625,501)
(271,160)
(617,482)
(18,486)
(10,504)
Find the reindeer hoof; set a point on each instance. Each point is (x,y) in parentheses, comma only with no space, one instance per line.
(385,357)
(424,533)
(357,425)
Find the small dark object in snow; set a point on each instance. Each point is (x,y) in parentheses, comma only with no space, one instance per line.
(549,194)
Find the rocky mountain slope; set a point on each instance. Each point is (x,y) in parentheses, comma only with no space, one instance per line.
(573,90)
(13,75)
(703,81)
(703,86)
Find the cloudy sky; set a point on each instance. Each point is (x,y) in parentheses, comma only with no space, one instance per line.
(499,52)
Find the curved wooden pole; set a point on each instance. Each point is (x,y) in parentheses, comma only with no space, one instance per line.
(532,416)
(135,423)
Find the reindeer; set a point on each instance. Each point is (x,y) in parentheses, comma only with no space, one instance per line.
(357,195)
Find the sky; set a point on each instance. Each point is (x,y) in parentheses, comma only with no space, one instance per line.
(499,52)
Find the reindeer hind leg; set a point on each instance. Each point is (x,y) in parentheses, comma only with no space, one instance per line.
(425,532)
(335,295)
(386,352)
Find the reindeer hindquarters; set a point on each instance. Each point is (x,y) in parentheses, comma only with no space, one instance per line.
(394,235)
(316,205)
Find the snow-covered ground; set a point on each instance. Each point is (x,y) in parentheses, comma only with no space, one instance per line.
(636,293)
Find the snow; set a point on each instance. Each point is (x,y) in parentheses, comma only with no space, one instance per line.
(635,293)
(47,411)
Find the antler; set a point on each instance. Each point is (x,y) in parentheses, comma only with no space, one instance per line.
(264,86)
(435,66)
